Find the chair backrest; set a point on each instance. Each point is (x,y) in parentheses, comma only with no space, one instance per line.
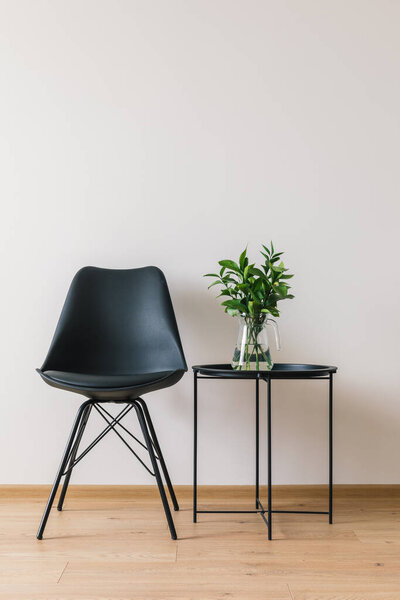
(117,321)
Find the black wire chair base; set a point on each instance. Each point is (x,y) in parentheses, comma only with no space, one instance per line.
(110,427)
(151,445)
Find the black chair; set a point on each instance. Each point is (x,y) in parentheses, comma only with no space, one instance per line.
(116,339)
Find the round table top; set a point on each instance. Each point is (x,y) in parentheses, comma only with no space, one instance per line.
(278,371)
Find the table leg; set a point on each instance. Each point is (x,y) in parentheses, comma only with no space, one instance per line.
(257,442)
(330,448)
(269,459)
(195,450)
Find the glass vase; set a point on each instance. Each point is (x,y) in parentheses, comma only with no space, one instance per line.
(252,351)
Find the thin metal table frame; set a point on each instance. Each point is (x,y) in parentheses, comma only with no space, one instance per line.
(280,371)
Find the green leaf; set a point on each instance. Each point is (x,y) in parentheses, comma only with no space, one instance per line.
(232,311)
(229,264)
(259,284)
(228,303)
(242,259)
(234,303)
(257,271)
(276,269)
(228,279)
(266,270)
(214,283)
(273,299)
(282,289)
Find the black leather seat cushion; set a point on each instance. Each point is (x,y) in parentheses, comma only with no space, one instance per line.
(111,386)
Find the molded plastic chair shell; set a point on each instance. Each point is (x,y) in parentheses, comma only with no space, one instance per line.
(117,336)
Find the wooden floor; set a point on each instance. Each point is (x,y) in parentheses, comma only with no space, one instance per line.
(113,542)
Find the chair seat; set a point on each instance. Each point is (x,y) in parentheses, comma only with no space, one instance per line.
(109,387)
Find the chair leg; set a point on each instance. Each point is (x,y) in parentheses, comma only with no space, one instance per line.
(82,427)
(61,468)
(147,438)
(159,453)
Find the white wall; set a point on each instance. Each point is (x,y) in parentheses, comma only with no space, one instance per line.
(174,133)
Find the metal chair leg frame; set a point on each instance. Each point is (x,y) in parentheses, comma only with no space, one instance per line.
(123,440)
(147,438)
(69,458)
(101,435)
(159,453)
(63,464)
(74,451)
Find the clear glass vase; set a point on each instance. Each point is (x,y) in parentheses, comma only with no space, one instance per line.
(252,351)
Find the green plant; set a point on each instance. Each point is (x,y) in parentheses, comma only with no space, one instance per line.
(251,290)
(253,293)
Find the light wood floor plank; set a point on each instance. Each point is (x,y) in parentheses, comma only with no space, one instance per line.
(112,543)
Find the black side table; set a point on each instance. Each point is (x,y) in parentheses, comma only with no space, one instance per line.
(279,371)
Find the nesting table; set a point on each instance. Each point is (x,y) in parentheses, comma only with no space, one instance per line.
(279,371)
